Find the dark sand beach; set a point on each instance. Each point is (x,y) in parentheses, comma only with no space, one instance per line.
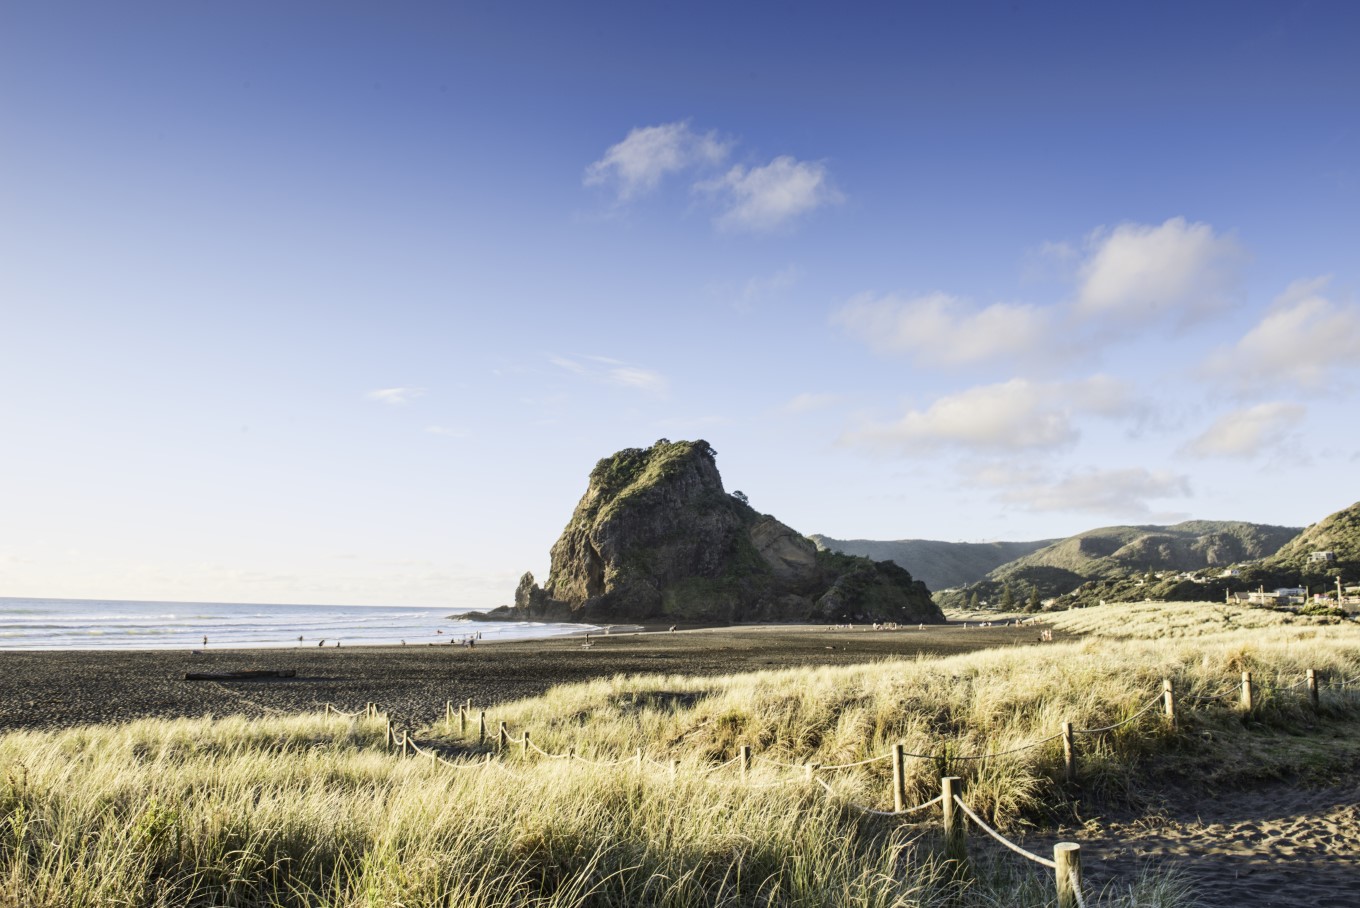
(59,689)
(1280,845)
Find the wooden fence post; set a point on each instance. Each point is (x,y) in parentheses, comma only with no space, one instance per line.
(405,743)
(1248,700)
(1069,753)
(1067,855)
(328,711)
(745,761)
(955,838)
(525,742)
(448,713)
(502,738)
(899,777)
(1312,688)
(675,768)
(1169,702)
(481,726)
(391,737)
(462,719)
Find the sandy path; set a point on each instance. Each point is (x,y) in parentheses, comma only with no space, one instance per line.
(1277,846)
(1274,846)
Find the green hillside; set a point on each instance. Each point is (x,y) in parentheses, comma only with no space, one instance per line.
(1338,533)
(1122,552)
(939,565)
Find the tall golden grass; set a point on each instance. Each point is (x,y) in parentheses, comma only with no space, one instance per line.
(314,811)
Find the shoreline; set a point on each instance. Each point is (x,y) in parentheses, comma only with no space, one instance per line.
(59,689)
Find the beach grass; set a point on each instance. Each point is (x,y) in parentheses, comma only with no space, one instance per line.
(314,810)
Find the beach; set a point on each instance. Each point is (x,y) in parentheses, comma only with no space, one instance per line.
(68,688)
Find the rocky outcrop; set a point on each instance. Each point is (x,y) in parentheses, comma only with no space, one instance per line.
(656,537)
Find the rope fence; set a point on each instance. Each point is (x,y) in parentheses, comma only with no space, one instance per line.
(1066,862)
(1245,692)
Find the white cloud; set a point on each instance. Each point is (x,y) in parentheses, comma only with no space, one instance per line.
(1303,339)
(1118,492)
(395,397)
(770,197)
(940,329)
(1248,432)
(808,402)
(614,372)
(636,165)
(1137,272)
(1016,415)
(758,289)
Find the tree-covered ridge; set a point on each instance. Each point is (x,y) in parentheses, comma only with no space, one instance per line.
(938,564)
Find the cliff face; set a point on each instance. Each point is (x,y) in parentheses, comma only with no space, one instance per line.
(656,537)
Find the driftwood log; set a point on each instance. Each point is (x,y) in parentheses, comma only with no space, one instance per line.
(240,676)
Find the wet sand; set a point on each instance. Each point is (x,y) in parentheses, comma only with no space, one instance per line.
(60,689)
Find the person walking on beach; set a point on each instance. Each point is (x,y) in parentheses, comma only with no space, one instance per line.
(205,639)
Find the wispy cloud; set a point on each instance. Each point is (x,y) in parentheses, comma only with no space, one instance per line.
(1139,272)
(395,397)
(808,402)
(1304,340)
(1124,492)
(939,329)
(1017,415)
(755,291)
(614,372)
(636,165)
(1248,432)
(768,198)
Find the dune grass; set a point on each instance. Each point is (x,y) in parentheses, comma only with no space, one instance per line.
(314,811)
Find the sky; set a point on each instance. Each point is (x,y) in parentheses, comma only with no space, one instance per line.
(341,302)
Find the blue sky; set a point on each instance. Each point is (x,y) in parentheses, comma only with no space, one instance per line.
(341,302)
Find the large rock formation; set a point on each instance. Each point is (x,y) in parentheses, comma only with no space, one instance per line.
(656,537)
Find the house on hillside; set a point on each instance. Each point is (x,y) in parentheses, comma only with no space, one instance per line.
(1321,557)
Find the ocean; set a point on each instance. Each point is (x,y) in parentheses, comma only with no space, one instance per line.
(65,624)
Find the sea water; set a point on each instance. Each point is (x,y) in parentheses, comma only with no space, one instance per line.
(50,624)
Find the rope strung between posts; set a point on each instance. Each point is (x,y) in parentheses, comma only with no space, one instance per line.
(884,813)
(1076,888)
(1225,695)
(865,762)
(709,770)
(1002,839)
(599,762)
(438,759)
(543,752)
(1153,703)
(1006,753)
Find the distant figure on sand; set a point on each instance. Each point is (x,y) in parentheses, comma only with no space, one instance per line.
(205,639)
(299,638)
(321,642)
